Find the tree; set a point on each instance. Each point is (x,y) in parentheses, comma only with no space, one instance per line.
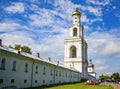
(102,77)
(17,47)
(25,49)
(115,76)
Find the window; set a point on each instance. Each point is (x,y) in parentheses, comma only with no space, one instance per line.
(3,62)
(14,66)
(50,81)
(12,81)
(66,74)
(75,32)
(1,81)
(51,72)
(26,67)
(75,17)
(56,72)
(25,81)
(60,73)
(36,69)
(44,71)
(35,81)
(73,52)
(43,81)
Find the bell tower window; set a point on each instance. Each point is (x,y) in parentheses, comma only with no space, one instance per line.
(75,32)
(73,52)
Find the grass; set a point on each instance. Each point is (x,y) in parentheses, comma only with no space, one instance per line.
(75,86)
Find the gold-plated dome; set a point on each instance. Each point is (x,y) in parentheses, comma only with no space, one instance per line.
(76,12)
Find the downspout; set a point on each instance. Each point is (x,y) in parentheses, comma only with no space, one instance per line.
(54,75)
(32,73)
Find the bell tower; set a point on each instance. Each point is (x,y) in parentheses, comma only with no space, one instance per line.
(76,47)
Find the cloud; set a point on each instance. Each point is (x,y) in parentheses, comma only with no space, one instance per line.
(105,43)
(102,68)
(99,2)
(96,10)
(111,49)
(8,26)
(17,7)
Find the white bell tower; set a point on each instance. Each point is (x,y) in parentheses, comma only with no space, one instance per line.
(76,47)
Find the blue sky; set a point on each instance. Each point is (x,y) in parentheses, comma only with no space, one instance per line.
(44,24)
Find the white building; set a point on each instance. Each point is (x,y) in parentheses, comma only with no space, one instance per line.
(76,46)
(24,70)
(91,73)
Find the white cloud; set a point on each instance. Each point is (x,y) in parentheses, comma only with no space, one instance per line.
(99,2)
(8,26)
(17,7)
(102,68)
(107,44)
(112,48)
(97,11)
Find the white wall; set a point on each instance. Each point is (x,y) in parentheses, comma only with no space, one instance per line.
(33,79)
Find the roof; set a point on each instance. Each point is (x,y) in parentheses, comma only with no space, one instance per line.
(10,50)
(76,12)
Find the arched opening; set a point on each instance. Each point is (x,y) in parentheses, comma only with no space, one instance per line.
(73,52)
(75,32)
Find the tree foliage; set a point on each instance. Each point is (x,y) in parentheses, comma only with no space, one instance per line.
(115,76)
(24,48)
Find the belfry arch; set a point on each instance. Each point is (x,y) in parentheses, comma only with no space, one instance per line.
(73,52)
(74,31)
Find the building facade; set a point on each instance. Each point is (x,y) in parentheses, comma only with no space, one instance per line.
(91,72)
(24,70)
(76,46)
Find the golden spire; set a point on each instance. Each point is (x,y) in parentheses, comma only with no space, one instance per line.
(76,12)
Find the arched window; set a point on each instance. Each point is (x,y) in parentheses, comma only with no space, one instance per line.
(75,32)
(3,62)
(73,52)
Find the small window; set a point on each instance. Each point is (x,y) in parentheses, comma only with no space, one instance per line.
(43,81)
(50,81)
(89,69)
(1,81)
(3,62)
(12,80)
(75,17)
(56,72)
(44,71)
(25,81)
(66,74)
(35,81)
(26,67)
(60,73)
(36,69)
(14,66)
(51,72)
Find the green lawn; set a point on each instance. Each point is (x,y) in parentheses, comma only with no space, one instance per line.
(75,86)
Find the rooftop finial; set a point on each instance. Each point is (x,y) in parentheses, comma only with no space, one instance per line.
(90,60)
(76,7)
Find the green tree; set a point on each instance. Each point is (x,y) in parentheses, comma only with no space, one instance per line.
(115,76)
(25,49)
(17,47)
(104,77)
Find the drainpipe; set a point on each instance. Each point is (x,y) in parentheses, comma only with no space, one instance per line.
(54,75)
(0,42)
(32,72)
